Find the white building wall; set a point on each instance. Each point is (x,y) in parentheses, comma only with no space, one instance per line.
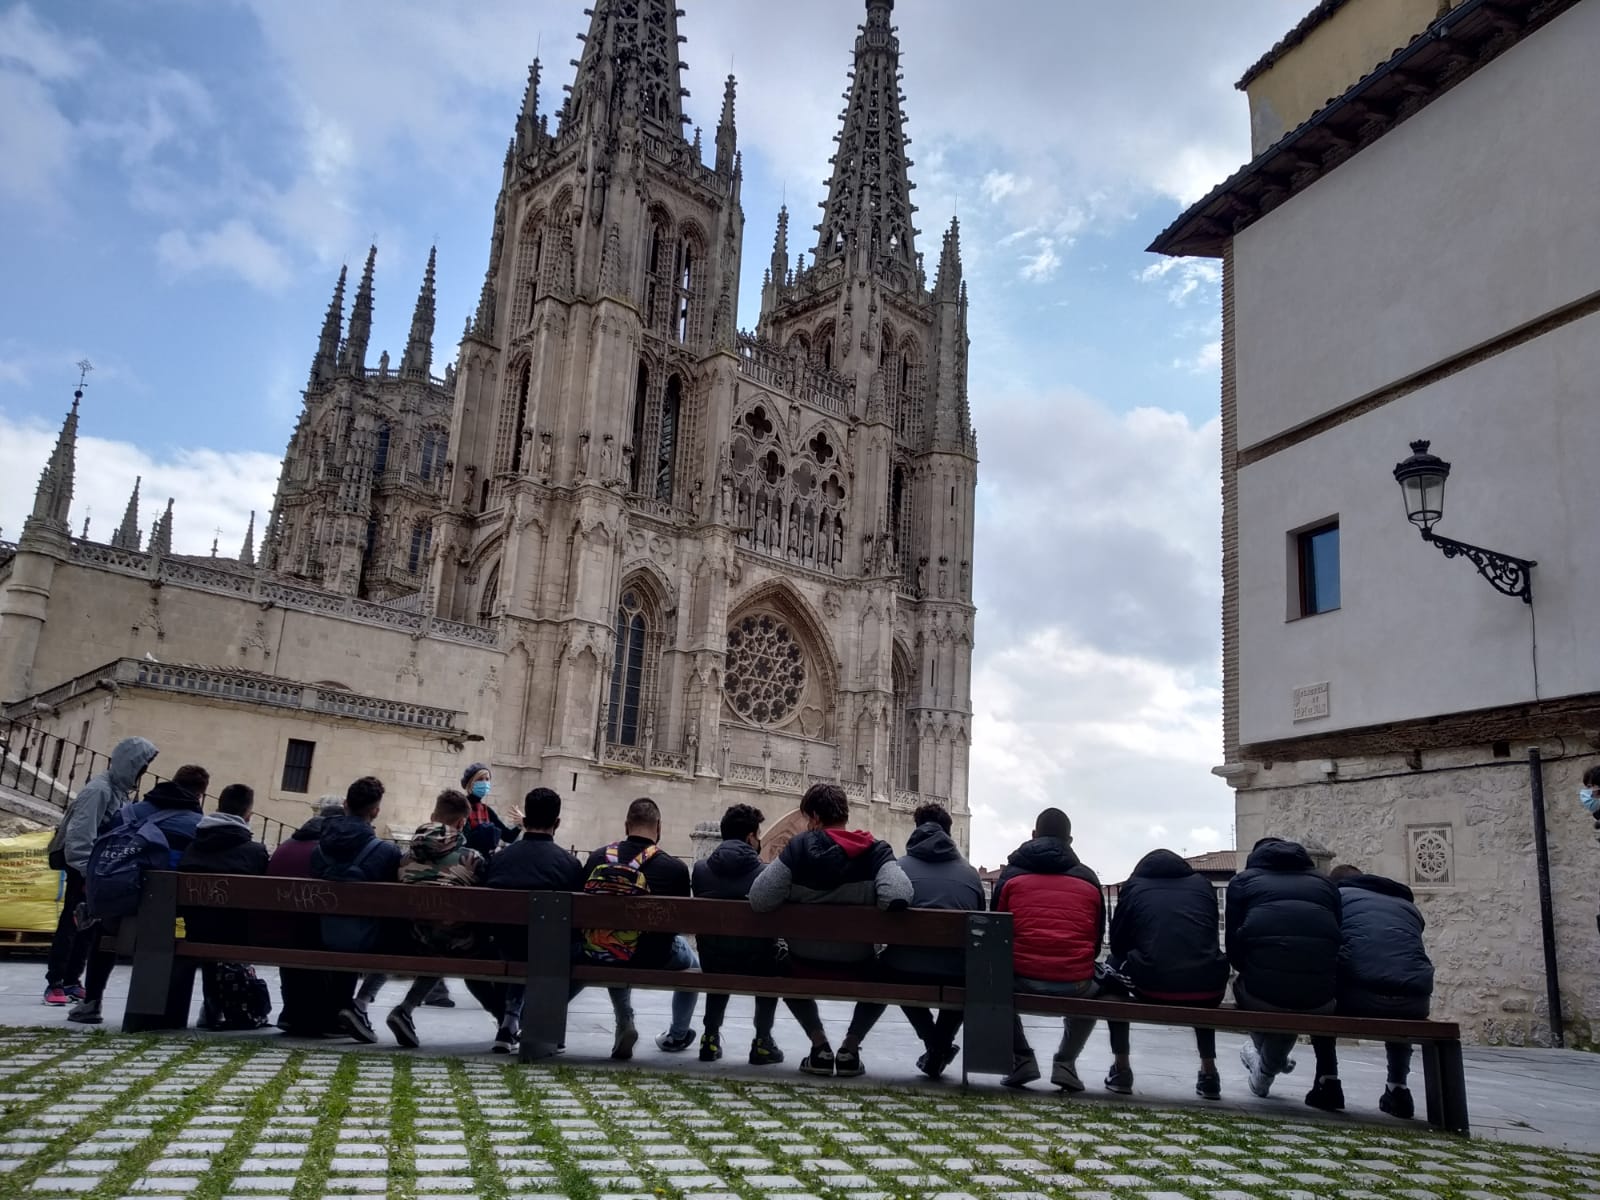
(1472,218)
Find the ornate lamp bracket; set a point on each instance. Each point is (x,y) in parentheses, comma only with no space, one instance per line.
(1507,575)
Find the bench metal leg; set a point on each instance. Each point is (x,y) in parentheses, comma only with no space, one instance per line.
(549,981)
(161,986)
(1445,1079)
(990,1007)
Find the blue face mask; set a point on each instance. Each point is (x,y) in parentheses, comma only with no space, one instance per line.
(480,789)
(1590,799)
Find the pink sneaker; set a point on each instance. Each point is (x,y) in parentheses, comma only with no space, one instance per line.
(57,996)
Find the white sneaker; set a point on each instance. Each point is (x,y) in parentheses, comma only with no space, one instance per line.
(1260,1081)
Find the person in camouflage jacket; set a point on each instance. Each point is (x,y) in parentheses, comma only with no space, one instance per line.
(440,857)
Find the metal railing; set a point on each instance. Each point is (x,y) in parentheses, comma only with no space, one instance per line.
(51,769)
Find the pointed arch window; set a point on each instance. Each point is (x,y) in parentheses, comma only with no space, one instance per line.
(629,673)
(421,544)
(900,521)
(659,290)
(489,596)
(380,455)
(518,440)
(641,405)
(667,445)
(686,277)
(902,741)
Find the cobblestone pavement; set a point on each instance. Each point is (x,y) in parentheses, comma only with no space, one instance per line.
(108,1117)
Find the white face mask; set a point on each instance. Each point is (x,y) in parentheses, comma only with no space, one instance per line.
(1590,799)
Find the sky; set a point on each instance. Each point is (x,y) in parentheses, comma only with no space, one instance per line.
(183,180)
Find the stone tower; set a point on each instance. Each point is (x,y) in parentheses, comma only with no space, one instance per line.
(362,476)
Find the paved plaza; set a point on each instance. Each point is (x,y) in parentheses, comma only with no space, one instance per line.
(257,1116)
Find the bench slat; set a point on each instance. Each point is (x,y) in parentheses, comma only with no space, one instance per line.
(353,964)
(759,985)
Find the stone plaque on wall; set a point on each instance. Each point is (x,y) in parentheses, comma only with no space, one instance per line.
(1431,855)
(1311,702)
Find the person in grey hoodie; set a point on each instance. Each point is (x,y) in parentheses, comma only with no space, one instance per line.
(940,878)
(74,838)
(833,864)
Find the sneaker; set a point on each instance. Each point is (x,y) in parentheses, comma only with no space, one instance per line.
(508,1038)
(1397,1102)
(75,990)
(56,996)
(847,1063)
(1208,1085)
(439,998)
(819,1062)
(403,1027)
(1260,1081)
(86,1012)
(1327,1093)
(1065,1075)
(764,1052)
(353,1023)
(674,1043)
(710,1046)
(1024,1070)
(627,1037)
(1120,1081)
(934,1062)
(1288,1066)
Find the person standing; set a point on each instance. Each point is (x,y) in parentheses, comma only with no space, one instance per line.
(69,853)
(940,878)
(1164,942)
(1282,936)
(1058,915)
(1384,972)
(223,845)
(486,832)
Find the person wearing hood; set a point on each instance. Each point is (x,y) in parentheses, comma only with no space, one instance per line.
(303,1011)
(832,864)
(1384,972)
(486,832)
(727,873)
(223,845)
(1164,942)
(1282,936)
(349,850)
(1058,915)
(940,878)
(180,795)
(69,852)
(439,856)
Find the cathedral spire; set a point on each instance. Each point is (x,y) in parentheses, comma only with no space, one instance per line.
(326,363)
(780,247)
(52,500)
(126,536)
(867,216)
(161,533)
(630,67)
(528,119)
(418,358)
(947,284)
(727,134)
(353,360)
(247,553)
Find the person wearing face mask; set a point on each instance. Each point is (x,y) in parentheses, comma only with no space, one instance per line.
(1589,796)
(485,830)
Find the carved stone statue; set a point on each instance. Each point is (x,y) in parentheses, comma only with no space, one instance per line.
(545,451)
(847,325)
(583,455)
(922,576)
(627,464)
(608,454)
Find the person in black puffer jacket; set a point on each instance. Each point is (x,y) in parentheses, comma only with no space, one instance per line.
(1384,971)
(940,878)
(1164,941)
(726,874)
(223,845)
(1282,928)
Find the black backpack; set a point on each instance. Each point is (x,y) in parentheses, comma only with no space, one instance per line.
(242,999)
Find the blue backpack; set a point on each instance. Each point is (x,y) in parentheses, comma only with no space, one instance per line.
(353,935)
(123,851)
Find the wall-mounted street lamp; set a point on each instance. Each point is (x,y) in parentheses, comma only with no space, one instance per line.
(1421,478)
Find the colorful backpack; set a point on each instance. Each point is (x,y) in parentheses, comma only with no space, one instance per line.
(616,878)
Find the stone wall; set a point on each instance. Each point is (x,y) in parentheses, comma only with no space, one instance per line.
(1459,831)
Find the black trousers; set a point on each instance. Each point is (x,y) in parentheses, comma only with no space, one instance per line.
(69,949)
(1205,1040)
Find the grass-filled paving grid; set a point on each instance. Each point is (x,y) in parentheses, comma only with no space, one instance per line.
(106,1117)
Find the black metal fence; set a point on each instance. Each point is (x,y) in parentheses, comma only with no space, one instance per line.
(51,770)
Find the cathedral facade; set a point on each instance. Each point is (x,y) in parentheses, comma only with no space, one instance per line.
(630,548)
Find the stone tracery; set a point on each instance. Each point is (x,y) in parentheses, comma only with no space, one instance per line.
(787,503)
(766,671)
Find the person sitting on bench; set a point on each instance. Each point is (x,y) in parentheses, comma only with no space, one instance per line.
(1384,971)
(1058,915)
(1164,943)
(1282,927)
(832,864)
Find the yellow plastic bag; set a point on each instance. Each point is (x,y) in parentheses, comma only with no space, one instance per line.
(30,892)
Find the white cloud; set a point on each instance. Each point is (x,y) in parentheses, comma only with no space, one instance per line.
(234,247)
(36,140)
(997,185)
(40,51)
(211,489)
(1185,279)
(1205,838)
(1203,361)
(1043,264)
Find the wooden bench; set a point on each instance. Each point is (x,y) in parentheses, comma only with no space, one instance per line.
(159,995)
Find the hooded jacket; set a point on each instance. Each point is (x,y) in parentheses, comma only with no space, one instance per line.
(223,844)
(440,857)
(727,873)
(832,866)
(940,878)
(102,796)
(1057,909)
(1283,928)
(665,876)
(1164,931)
(343,854)
(167,796)
(1380,943)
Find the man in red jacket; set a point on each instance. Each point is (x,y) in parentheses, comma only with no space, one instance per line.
(1058,915)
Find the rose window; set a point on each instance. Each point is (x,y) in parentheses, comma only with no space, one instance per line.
(766,669)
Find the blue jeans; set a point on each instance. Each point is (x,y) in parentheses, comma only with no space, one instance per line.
(681,958)
(1273,1048)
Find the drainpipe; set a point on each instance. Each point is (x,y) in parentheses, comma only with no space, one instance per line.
(1547,916)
